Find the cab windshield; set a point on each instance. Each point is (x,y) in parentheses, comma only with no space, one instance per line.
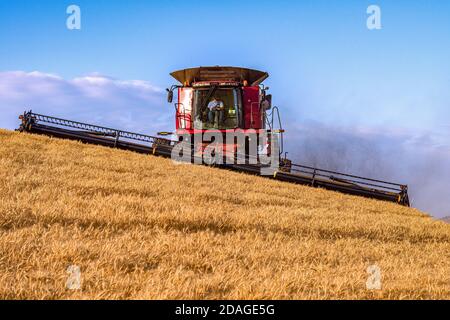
(216,108)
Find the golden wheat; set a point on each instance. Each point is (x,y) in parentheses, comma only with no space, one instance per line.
(140,227)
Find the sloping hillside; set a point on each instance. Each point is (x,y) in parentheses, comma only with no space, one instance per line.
(142,227)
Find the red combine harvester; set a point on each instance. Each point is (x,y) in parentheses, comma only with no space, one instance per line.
(224,117)
(231,105)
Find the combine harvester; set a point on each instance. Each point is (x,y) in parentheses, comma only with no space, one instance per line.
(222,101)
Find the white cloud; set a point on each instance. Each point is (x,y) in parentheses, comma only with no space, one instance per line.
(419,159)
(94,98)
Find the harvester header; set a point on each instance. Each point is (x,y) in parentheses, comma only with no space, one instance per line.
(222,102)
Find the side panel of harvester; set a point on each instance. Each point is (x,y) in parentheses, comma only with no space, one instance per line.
(252,113)
(184,108)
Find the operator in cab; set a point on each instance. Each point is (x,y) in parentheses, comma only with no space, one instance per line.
(215,108)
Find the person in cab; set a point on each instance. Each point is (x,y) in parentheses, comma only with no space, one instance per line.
(215,108)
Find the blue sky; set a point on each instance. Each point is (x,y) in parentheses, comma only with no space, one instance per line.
(318,54)
(329,73)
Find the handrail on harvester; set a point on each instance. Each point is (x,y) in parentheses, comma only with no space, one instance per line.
(31,118)
(348,178)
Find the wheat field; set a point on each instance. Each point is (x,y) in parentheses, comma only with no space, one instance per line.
(141,227)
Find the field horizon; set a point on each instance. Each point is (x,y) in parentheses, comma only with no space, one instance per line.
(142,227)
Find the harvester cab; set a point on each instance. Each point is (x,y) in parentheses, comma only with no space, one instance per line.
(225,100)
